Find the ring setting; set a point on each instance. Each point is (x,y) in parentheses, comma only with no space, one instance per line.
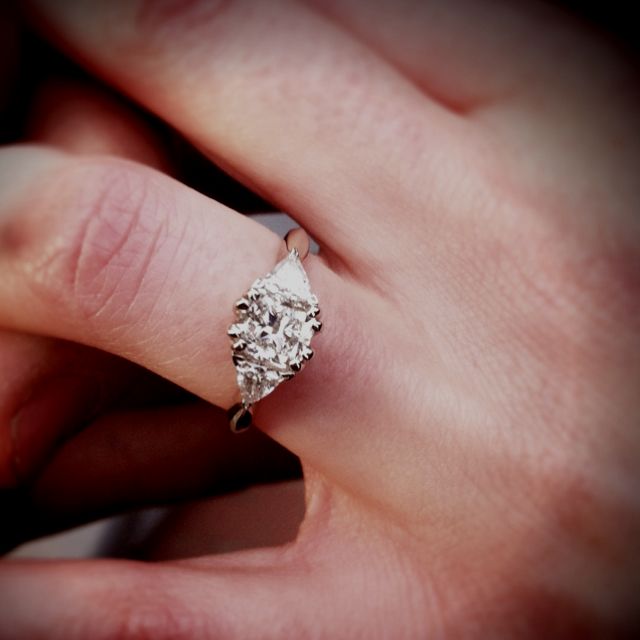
(271,336)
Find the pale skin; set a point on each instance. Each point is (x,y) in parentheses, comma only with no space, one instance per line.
(468,427)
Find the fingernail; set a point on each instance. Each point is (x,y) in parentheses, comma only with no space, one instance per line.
(56,408)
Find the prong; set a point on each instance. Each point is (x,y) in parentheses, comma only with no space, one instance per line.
(313,313)
(242,304)
(307,353)
(297,239)
(240,345)
(317,325)
(253,295)
(237,359)
(296,366)
(234,331)
(288,375)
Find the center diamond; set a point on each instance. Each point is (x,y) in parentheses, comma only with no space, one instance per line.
(272,334)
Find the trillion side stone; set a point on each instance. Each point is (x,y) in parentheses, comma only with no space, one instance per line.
(273,330)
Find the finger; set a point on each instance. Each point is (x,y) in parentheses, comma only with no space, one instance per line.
(56,387)
(52,389)
(266,593)
(231,75)
(529,75)
(471,54)
(264,515)
(130,459)
(98,256)
(163,602)
(85,119)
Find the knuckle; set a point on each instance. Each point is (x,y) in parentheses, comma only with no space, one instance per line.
(146,613)
(576,292)
(154,620)
(609,281)
(111,234)
(594,295)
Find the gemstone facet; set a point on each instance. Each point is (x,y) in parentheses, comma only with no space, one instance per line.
(275,321)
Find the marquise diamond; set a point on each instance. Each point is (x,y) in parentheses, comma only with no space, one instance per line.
(276,320)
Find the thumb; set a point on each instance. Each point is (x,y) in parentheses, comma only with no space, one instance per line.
(329,583)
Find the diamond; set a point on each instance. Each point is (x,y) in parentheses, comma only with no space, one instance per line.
(275,321)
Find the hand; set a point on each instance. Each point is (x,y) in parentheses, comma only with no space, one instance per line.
(57,387)
(467,425)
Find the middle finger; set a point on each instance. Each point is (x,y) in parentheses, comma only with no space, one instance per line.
(288,102)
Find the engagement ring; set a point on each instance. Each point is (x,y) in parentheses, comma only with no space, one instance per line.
(271,336)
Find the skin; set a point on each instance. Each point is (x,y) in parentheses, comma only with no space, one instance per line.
(468,426)
(63,440)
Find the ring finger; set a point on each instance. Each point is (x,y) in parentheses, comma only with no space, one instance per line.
(97,255)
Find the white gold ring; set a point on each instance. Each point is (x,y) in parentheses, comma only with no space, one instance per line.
(271,336)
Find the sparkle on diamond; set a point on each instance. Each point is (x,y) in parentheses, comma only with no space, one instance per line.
(277,328)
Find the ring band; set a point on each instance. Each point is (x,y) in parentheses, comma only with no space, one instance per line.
(271,336)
